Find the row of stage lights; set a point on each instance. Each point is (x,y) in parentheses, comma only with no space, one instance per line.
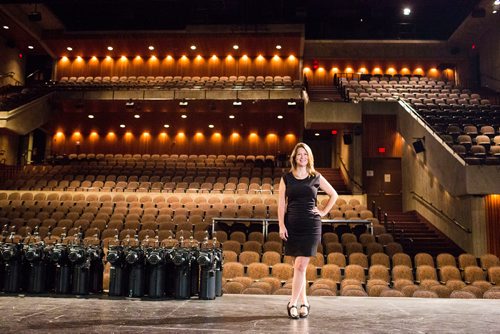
(244,57)
(146,134)
(375,70)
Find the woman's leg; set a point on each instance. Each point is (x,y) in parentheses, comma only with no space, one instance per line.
(299,279)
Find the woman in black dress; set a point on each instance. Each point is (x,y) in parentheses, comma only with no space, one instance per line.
(300,220)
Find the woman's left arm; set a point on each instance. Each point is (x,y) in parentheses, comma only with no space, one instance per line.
(330,191)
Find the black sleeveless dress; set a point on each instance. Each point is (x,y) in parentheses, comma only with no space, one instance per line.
(303,226)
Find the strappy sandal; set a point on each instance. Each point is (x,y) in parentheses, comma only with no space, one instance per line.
(289,309)
(304,314)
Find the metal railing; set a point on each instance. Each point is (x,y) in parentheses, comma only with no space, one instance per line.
(440,212)
(265,222)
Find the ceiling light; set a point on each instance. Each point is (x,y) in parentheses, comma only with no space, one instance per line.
(183,103)
(193,47)
(6,27)
(91,116)
(237,102)
(211,126)
(231,116)
(292,103)
(236,47)
(317,134)
(31,47)
(494,12)
(137,116)
(69,48)
(184,116)
(406,11)
(110,48)
(129,103)
(122,126)
(278,47)
(280,116)
(151,47)
(497,2)
(166,125)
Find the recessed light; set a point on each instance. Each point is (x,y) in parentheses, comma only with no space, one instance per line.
(211,126)
(193,47)
(317,134)
(292,103)
(236,47)
(184,116)
(183,103)
(231,116)
(137,116)
(494,12)
(278,47)
(237,103)
(406,11)
(6,27)
(110,48)
(69,48)
(151,47)
(497,2)
(91,116)
(280,116)
(122,126)
(166,125)
(31,47)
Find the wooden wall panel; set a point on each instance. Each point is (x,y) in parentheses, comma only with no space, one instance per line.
(493,223)
(380,131)
(183,66)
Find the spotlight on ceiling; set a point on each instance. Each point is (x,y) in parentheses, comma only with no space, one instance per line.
(130,103)
(237,102)
(406,11)
(183,103)
(292,103)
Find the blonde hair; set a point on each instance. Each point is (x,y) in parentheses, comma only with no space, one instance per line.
(310,161)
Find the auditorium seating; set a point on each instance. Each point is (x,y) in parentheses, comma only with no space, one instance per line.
(179,82)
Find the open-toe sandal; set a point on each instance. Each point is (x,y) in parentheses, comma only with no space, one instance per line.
(304,314)
(289,309)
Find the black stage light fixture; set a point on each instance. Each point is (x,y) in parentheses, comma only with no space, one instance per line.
(347,138)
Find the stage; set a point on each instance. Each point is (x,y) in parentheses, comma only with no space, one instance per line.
(249,314)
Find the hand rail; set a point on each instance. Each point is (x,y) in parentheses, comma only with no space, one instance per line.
(349,175)
(436,209)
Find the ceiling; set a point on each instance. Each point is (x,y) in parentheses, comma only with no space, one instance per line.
(323,19)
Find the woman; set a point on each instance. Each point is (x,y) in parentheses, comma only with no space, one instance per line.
(300,220)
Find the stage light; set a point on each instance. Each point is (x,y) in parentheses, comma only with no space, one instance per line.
(110,48)
(137,116)
(237,102)
(90,116)
(236,46)
(193,47)
(69,48)
(151,47)
(406,11)
(183,103)
(166,126)
(122,126)
(278,47)
(280,116)
(183,116)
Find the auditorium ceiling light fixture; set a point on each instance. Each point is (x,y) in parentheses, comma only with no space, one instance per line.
(166,126)
(69,48)
(183,103)
(110,48)
(211,126)
(151,47)
(137,116)
(236,46)
(292,103)
(231,116)
(406,11)
(317,134)
(193,47)
(280,116)
(90,116)
(184,116)
(122,126)
(130,103)
(237,103)
(6,27)
(31,47)
(278,47)
(497,2)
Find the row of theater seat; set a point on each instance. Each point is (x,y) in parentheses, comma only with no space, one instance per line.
(180,82)
(172,157)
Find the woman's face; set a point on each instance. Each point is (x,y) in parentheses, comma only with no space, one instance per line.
(302,158)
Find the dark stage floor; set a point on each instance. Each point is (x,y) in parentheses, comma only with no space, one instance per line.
(247,313)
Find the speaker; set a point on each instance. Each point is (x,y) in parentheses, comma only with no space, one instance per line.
(347,138)
(418,146)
